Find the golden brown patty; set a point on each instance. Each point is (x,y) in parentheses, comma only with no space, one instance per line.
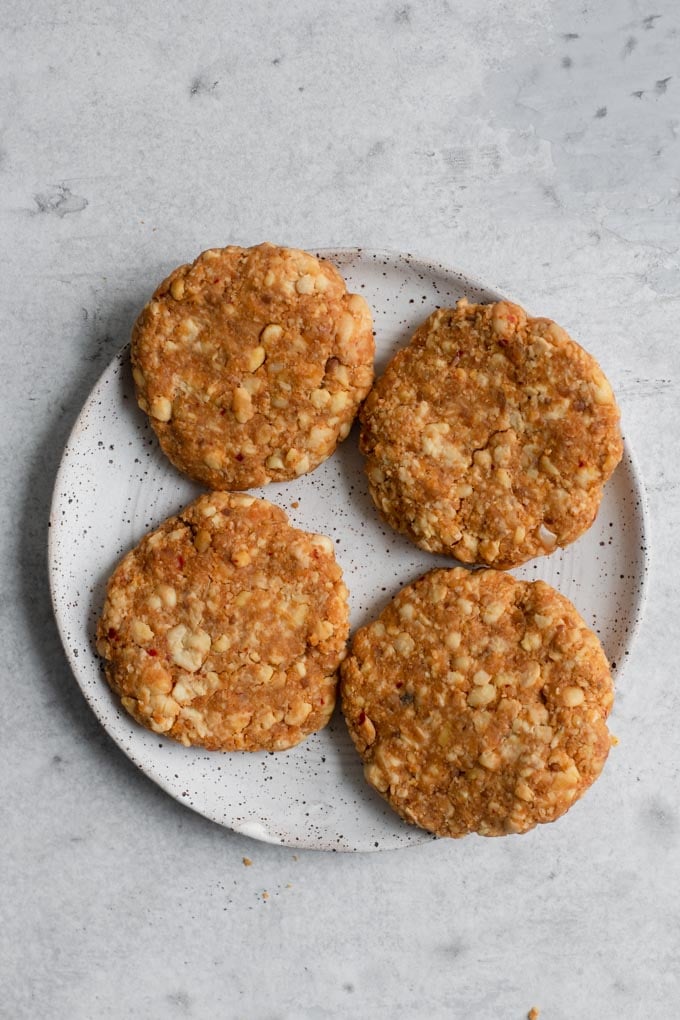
(490,436)
(251,364)
(225,627)
(478,703)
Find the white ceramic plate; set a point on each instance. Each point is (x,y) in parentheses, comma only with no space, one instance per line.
(114,485)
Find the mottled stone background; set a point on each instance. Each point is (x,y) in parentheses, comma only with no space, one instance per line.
(534,144)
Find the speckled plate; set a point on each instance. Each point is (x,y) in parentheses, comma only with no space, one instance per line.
(114,484)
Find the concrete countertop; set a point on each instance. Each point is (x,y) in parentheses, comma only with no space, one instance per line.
(534,144)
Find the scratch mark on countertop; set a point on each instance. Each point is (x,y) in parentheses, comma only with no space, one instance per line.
(58,201)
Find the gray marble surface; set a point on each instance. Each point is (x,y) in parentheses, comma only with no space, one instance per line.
(533,143)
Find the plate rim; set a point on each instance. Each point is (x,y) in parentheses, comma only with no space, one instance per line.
(418,261)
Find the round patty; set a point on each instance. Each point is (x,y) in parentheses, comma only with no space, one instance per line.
(478,703)
(251,364)
(225,627)
(490,436)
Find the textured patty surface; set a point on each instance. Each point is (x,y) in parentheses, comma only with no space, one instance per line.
(490,436)
(478,703)
(225,627)
(251,364)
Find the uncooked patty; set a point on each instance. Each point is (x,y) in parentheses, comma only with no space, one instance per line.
(225,627)
(490,436)
(478,703)
(251,364)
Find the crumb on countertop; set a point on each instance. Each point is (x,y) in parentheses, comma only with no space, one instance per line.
(247,862)
(533,1013)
